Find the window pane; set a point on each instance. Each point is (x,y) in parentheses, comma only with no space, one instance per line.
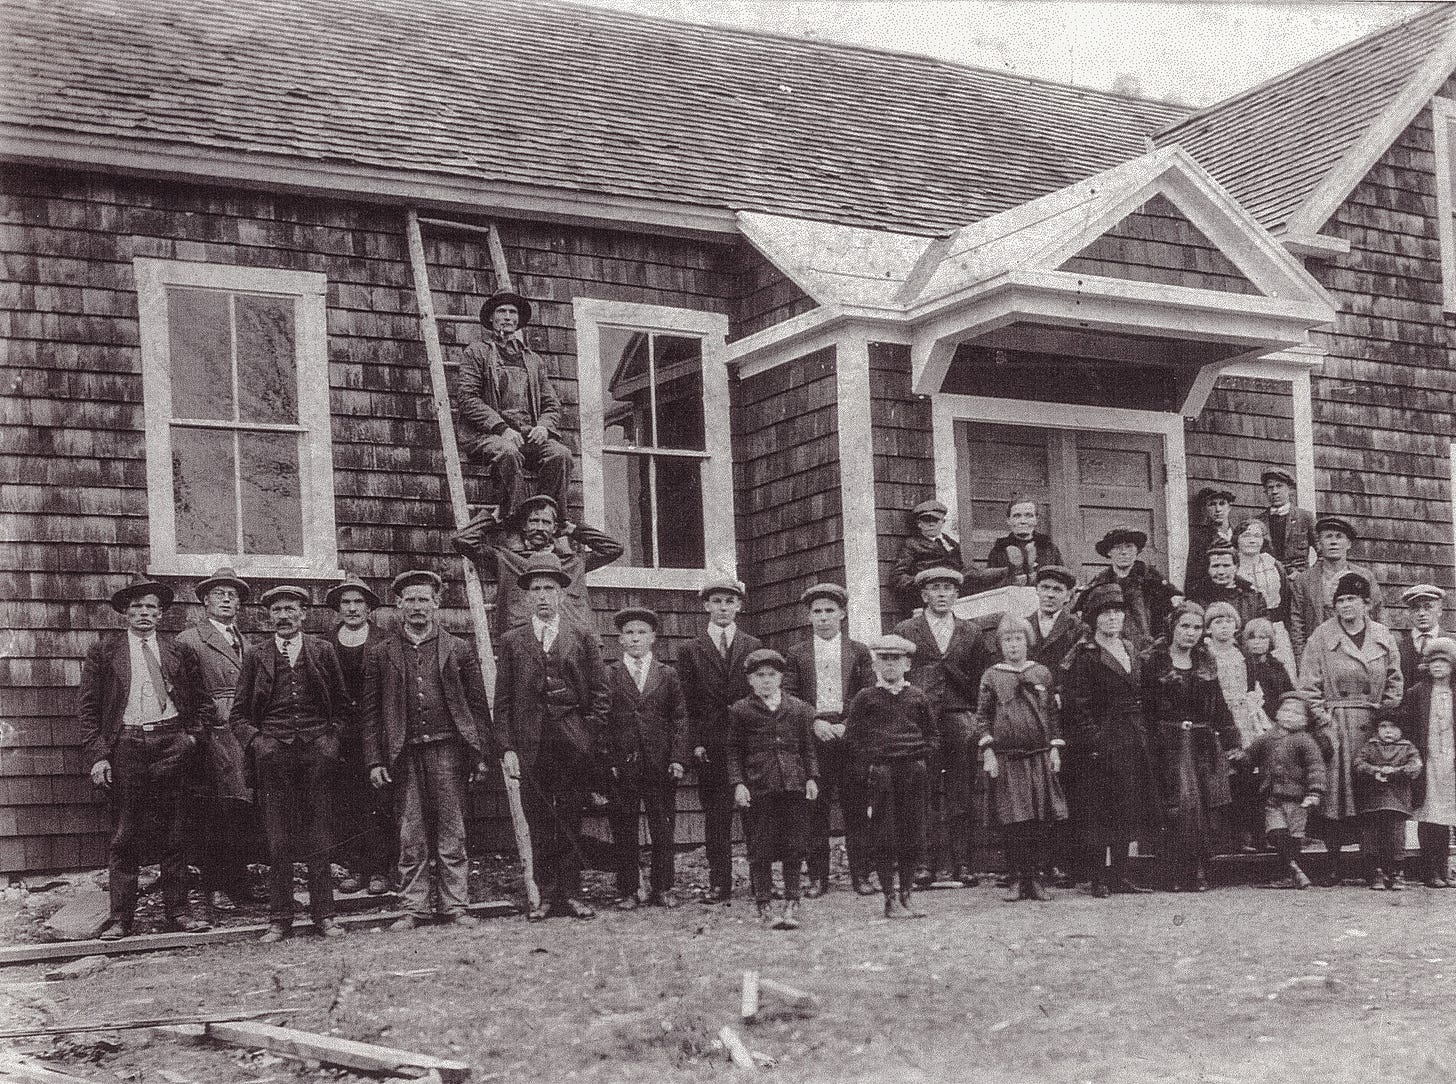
(626,407)
(679,367)
(272,504)
(267,367)
(625,487)
(204,490)
(680,512)
(201,355)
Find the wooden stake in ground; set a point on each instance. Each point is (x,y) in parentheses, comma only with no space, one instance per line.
(344,1053)
(749,1007)
(736,1050)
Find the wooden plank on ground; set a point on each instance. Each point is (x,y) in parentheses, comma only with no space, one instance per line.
(14,1068)
(345,1053)
(159,942)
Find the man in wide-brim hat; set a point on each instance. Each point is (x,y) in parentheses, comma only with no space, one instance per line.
(510,415)
(143,712)
(1312,592)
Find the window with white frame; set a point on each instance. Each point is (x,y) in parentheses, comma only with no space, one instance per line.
(1443,123)
(656,452)
(236,385)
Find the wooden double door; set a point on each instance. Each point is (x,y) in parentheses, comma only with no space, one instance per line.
(1084,482)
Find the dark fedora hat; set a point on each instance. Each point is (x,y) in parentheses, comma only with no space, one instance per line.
(223,577)
(1118,535)
(141,584)
(350,583)
(505,297)
(543,563)
(1105,596)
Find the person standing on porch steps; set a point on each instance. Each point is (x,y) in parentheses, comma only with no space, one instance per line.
(1291,530)
(931,546)
(1425,602)
(713,680)
(1312,592)
(1147,597)
(1024,550)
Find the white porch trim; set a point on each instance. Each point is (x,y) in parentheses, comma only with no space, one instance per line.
(1295,366)
(857,486)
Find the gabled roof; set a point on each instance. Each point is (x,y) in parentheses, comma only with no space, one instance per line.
(558,98)
(1292,149)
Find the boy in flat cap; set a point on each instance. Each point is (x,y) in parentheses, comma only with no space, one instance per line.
(225,826)
(826,670)
(931,546)
(1147,596)
(1312,592)
(551,693)
(950,657)
(1424,602)
(773,769)
(647,748)
(288,715)
(1429,720)
(711,669)
(1291,530)
(510,415)
(143,711)
(428,733)
(1023,549)
(1217,529)
(892,730)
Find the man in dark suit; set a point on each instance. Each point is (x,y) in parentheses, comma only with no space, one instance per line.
(1291,530)
(826,670)
(551,694)
(222,828)
(646,745)
(711,669)
(950,656)
(288,716)
(1424,603)
(426,721)
(143,711)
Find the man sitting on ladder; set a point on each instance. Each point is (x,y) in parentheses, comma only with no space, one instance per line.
(510,415)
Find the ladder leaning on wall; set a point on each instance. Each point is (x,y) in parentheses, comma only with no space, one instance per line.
(455,476)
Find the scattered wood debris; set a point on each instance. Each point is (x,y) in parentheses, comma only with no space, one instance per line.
(328,1049)
(736,1050)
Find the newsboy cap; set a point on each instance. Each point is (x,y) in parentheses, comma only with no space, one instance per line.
(1277,474)
(831,591)
(636,613)
(764,656)
(1335,523)
(1420,591)
(414,576)
(335,594)
(285,591)
(1215,493)
(890,644)
(223,577)
(505,297)
(940,572)
(719,584)
(1059,573)
(141,584)
(929,508)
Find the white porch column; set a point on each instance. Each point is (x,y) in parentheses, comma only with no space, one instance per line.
(857,485)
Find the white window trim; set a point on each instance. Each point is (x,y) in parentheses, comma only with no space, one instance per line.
(316,466)
(719,540)
(1443,118)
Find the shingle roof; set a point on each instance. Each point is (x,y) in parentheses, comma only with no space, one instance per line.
(546,93)
(1272,145)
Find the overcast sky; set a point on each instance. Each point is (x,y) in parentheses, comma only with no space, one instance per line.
(1195,53)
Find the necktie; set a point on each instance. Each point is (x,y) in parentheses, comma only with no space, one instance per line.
(154,667)
(236,641)
(639,675)
(1421,644)
(723,644)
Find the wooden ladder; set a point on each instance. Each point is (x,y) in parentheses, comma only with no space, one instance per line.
(455,476)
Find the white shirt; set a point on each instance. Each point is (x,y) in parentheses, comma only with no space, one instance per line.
(145,703)
(637,668)
(723,636)
(942,628)
(1282,510)
(546,630)
(1044,623)
(828,676)
(290,647)
(230,634)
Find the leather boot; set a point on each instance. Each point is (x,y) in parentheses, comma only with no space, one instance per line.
(1031,889)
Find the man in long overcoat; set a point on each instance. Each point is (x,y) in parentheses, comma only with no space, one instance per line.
(1312,592)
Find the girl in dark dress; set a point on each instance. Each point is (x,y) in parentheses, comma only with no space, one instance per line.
(1115,794)
(1190,732)
(1265,670)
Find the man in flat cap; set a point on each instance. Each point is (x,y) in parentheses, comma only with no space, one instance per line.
(143,711)
(288,715)
(950,657)
(711,669)
(510,415)
(931,546)
(825,670)
(224,827)
(647,749)
(1312,592)
(1424,602)
(427,733)
(1291,530)
(502,551)
(1217,529)
(551,695)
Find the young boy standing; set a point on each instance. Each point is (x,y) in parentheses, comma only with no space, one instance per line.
(647,748)
(1291,769)
(1385,768)
(893,732)
(773,769)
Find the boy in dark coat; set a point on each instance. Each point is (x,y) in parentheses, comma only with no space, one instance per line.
(1291,768)
(774,770)
(1385,768)
(931,546)
(893,730)
(647,748)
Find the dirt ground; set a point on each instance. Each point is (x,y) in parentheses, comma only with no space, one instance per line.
(1239,984)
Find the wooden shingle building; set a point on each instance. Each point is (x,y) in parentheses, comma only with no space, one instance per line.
(789,289)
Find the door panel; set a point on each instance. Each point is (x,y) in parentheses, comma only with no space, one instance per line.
(998,463)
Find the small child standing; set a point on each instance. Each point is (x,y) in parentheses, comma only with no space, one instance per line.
(1385,768)
(774,771)
(891,728)
(1291,767)
(1266,672)
(1016,728)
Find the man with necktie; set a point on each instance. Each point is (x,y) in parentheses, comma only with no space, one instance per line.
(1424,602)
(142,712)
(288,716)
(1291,530)
(223,827)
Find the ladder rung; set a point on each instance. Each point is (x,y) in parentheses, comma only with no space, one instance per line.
(447,224)
(456,319)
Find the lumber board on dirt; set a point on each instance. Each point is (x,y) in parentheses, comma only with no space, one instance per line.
(332,1050)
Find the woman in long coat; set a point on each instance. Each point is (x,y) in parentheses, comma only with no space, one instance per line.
(1115,794)
(1190,732)
(1351,671)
